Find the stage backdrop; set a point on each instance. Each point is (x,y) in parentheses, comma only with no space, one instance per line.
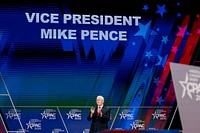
(56,57)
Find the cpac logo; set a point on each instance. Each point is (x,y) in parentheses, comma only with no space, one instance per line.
(11,115)
(189,88)
(126,115)
(73,115)
(137,125)
(33,125)
(160,115)
(49,115)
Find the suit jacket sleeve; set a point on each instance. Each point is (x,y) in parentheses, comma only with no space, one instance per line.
(106,114)
(89,118)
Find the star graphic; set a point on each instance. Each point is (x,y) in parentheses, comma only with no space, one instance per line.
(178,15)
(9,115)
(29,125)
(122,115)
(160,100)
(133,43)
(187,33)
(44,115)
(174,49)
(161,61)
(155,115)
(164,39)
(69,115)
(198,31)
(184,84)
(134,126)
(148,54)
(146,65)
(178,4)
(145,31)
(145,7)
(156,80)
(181,31)
(161,10)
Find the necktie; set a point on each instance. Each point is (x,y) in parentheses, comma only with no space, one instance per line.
(99,111)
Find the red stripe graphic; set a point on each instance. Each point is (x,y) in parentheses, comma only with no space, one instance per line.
(166,70)
(186,57)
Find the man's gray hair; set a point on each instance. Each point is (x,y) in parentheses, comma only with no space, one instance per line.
(101,97)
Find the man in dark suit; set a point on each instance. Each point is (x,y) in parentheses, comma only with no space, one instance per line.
(100,115)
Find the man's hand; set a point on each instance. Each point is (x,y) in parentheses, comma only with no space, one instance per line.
(92,111)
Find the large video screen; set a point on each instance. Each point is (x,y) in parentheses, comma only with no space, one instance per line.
(56,57)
